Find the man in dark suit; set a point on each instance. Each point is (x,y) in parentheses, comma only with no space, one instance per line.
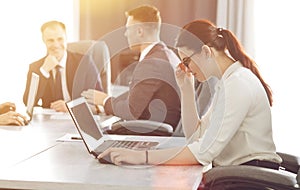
(153,92)
(63,74)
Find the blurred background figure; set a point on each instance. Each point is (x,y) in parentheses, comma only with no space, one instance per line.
(153,93)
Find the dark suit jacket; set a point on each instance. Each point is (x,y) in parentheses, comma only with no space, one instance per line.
(81,74)
(153,92)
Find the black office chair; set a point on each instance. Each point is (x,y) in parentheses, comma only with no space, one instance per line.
(141,127)
(99,53)
(253,177)
(204,94)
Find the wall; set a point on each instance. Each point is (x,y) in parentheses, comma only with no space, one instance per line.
(98,18)
(21,40)
(105,20)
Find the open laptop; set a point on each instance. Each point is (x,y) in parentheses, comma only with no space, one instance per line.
(31,97)
(92,135)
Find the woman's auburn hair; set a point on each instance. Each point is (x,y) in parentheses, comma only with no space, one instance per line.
(203,32)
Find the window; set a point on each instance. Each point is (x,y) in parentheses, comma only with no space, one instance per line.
(21,41)
(277,50)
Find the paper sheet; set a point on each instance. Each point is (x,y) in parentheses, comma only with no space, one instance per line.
(69,138)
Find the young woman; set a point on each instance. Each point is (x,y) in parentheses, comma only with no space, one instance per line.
(237,129)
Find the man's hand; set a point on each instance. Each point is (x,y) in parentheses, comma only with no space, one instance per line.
(94,96)
(12,118)
(59,106)
(49,63)
(6,107)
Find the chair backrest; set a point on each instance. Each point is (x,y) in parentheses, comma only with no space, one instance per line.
(99,53)
(141,127)
(81,46)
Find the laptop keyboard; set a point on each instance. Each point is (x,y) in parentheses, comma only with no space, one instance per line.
(137,145)
(125,144)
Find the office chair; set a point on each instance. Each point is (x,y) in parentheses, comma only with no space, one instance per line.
(99,53)
(204,94)
(141,127)
(253,177)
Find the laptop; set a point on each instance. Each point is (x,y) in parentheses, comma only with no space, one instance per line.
(31,97)
(92,134)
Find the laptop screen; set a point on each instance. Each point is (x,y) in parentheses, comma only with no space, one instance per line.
(85,122)
(34,83)
(27,109)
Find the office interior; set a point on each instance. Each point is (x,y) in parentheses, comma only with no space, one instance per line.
(272,42)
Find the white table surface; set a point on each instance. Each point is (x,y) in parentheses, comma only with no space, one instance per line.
(41,162)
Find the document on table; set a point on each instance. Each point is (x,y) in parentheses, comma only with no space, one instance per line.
(69,138)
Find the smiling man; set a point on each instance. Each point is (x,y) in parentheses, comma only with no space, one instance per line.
(60,70)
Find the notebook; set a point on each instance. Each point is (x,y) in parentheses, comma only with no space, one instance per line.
(31,97)
(92,135)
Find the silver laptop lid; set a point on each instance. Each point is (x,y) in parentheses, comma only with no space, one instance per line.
(32,94)
(85,123)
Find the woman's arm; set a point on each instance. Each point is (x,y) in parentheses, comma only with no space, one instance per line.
(189,114)
(172,156)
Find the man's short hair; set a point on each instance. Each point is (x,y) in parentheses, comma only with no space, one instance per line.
(145,13)
(51,24)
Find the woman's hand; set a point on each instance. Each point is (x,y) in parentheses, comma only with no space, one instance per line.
(118,156)
(184,78)
(12,118)
(94,96)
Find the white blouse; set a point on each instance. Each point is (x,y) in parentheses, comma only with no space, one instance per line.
(238,126)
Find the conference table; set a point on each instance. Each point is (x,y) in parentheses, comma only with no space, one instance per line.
(42,155)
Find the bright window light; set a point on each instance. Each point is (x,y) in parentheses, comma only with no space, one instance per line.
(21,42)
(277,37)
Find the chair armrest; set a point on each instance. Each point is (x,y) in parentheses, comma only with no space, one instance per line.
(141,127)
(290,162)
(248,176)
(253,177)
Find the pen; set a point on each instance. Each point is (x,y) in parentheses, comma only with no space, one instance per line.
(76,138)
